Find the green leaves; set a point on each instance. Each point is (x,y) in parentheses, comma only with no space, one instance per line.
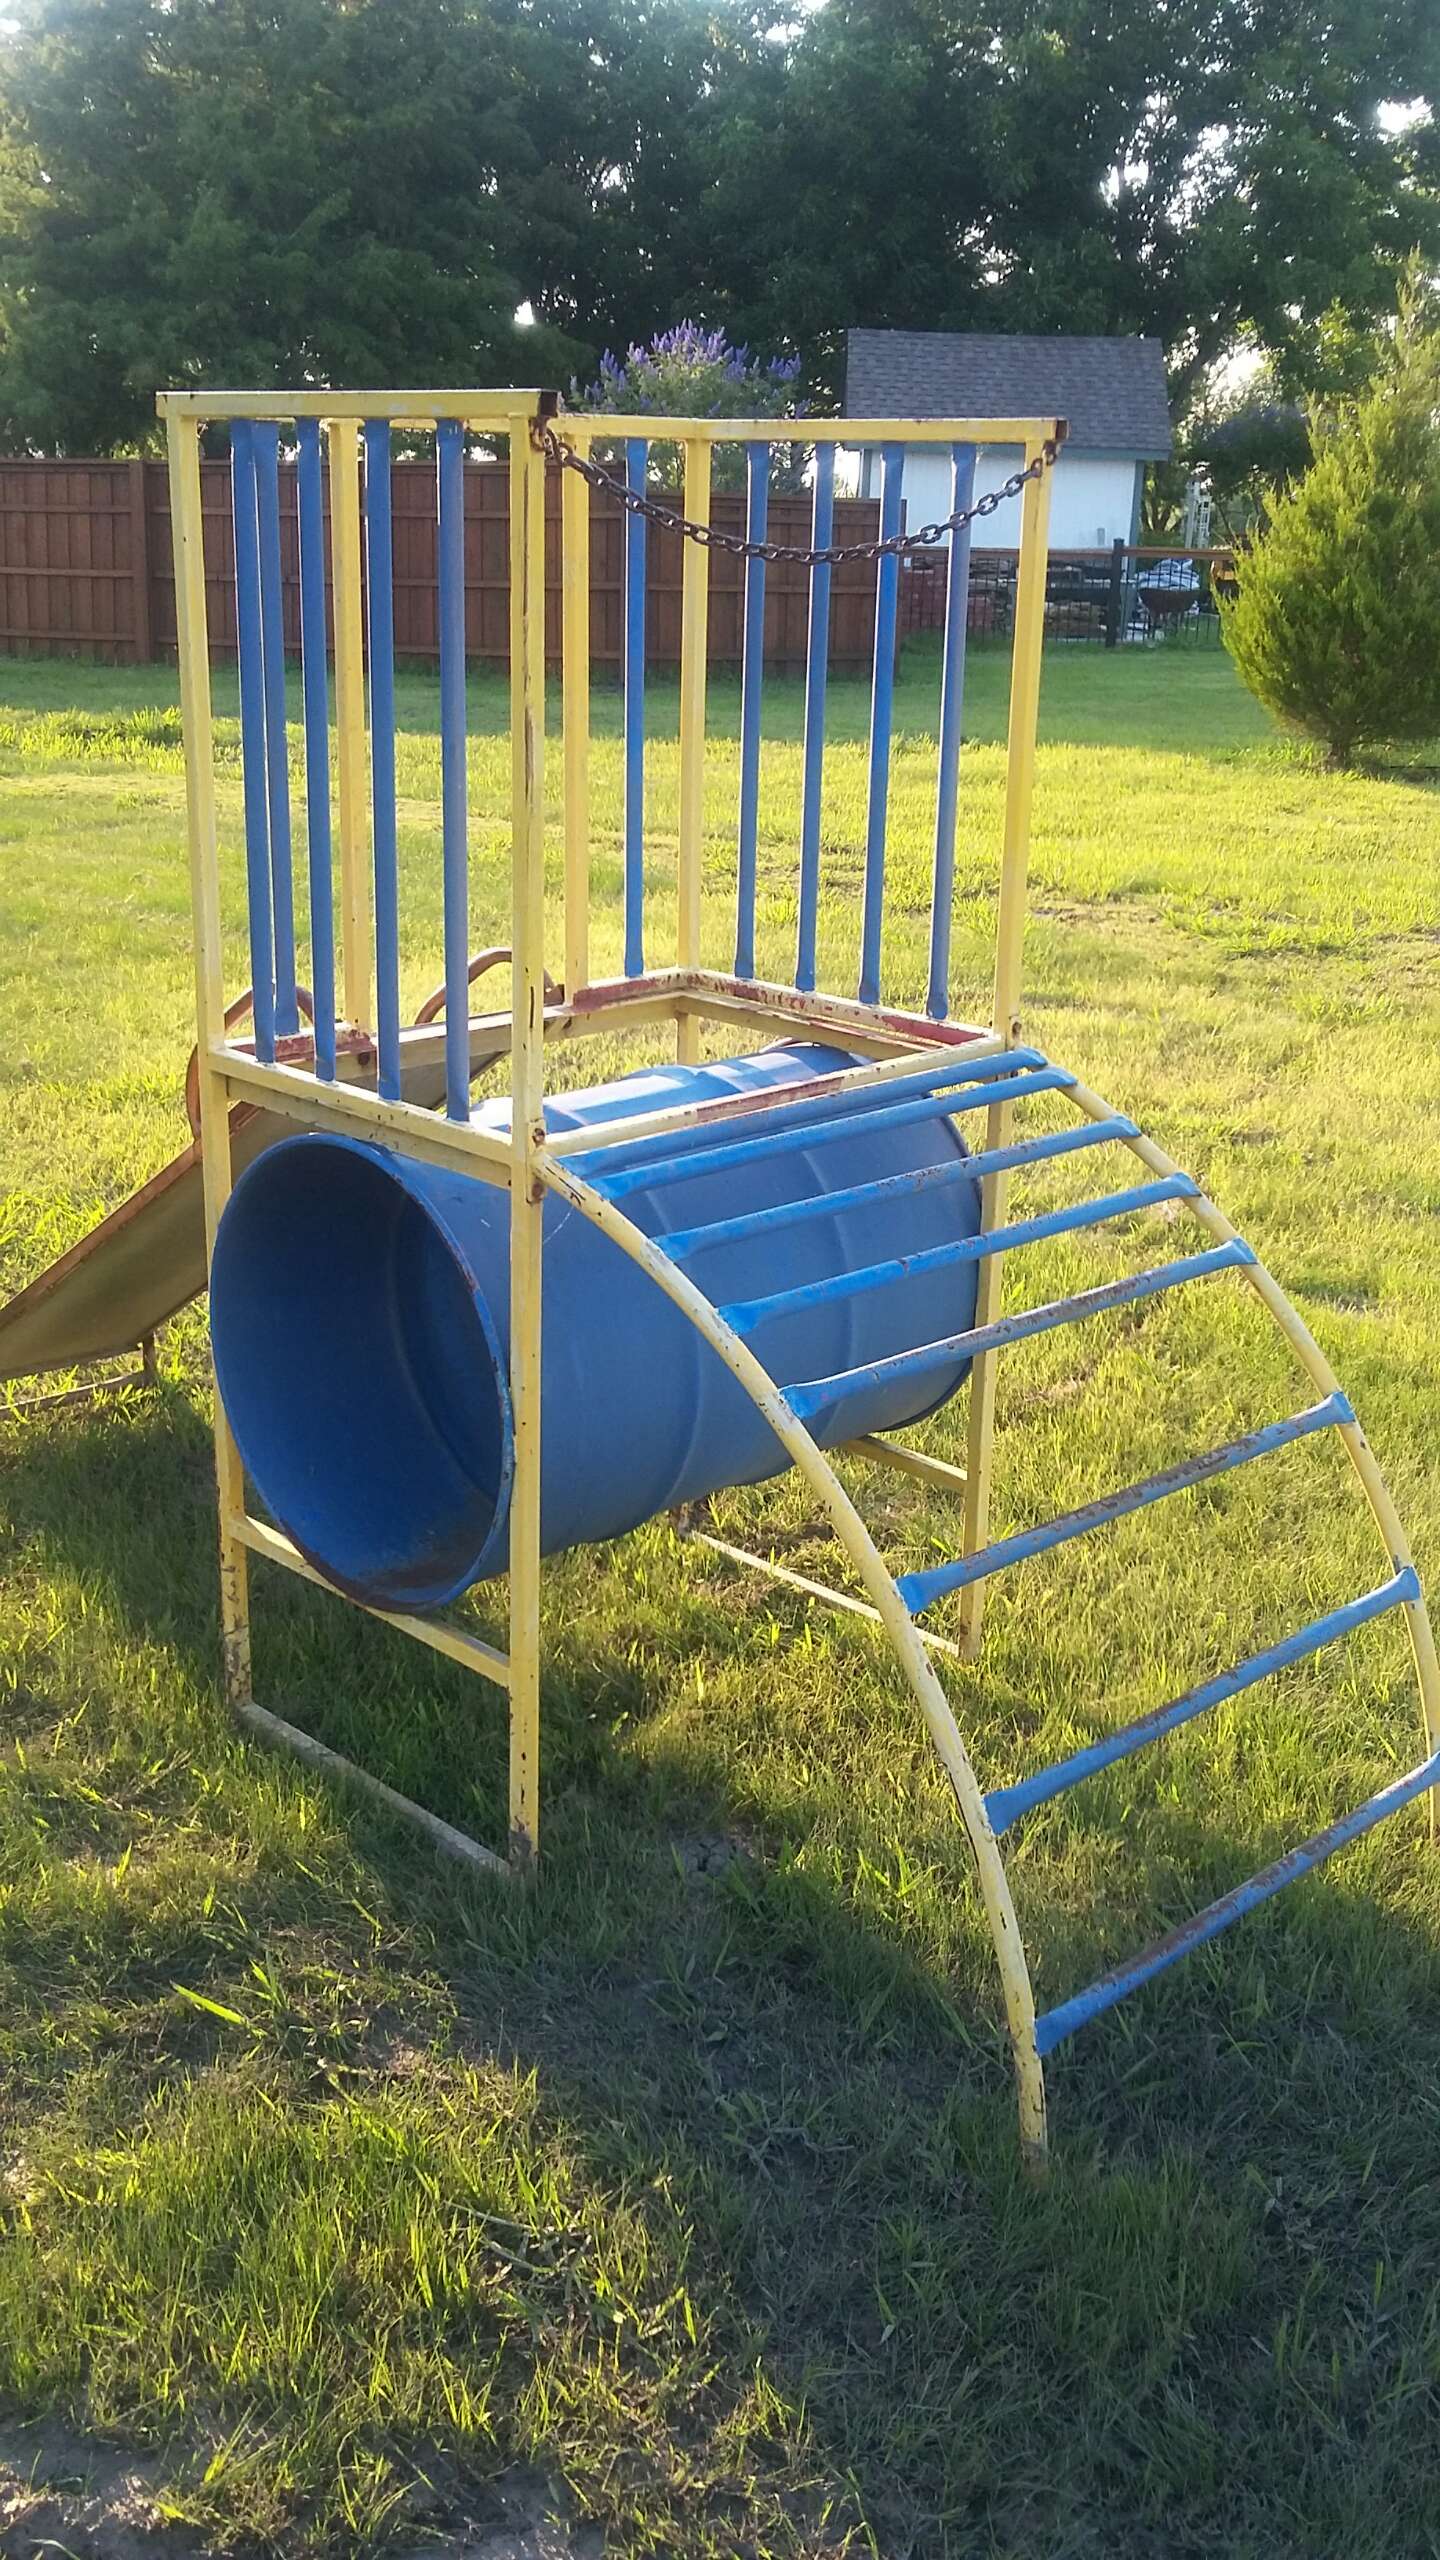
(1336,622)
(267,191)
(212,2008)
(215,193)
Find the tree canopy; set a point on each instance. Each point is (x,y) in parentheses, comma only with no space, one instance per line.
(197,191)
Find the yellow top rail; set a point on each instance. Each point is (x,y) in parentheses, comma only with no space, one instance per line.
(1026,431)
(495,408)
(406,408)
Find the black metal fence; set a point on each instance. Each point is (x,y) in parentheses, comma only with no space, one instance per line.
(1128,596)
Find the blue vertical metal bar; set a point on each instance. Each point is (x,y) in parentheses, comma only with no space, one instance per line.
(455,851)
(250,654)
(317,742)
(380,626)
(636,457)
(752,677)
(882,704)
(952,704)
(817,668)
(277,751)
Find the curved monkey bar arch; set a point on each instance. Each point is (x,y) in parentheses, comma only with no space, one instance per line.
(1031,2037)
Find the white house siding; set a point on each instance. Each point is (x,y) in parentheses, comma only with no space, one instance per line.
(1094,500)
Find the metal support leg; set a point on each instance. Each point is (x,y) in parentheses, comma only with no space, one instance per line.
(527,714)
(184,452)
(1009,937)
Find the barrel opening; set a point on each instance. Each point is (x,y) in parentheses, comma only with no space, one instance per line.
(361,1373)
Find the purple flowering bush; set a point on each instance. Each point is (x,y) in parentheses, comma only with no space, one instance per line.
(689,372)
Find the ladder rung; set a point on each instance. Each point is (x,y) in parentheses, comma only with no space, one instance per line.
(896,1186)
(1056,2024)
(744,1149)
(814,1395)
(773,1571)
(819,1097)
(1006,1804)
(920,1590)
(746,1314)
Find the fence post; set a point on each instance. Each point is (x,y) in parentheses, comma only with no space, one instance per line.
(141,640)
(1115,605)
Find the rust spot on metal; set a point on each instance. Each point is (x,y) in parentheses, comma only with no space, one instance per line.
(235,1011)
(623,991)
(739,1106)
(791,1000)
(496,955)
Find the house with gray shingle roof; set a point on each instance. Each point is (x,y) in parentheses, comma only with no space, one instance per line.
(1111,390)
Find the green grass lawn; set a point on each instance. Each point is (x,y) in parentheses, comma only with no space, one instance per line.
(684,2188)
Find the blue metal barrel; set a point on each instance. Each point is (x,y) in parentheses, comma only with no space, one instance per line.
(359,1310)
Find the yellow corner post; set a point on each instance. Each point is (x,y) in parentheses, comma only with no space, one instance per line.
(356,954)
(182,437)
(694,628)
(575,659)
(527,1085)
(1009,950)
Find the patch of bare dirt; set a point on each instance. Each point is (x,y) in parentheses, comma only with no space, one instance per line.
(709,1853)
(521,2520)
(63,2497)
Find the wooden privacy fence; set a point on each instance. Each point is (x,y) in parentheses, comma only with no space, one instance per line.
(86,569)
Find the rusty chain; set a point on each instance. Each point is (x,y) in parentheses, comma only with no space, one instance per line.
(802,555)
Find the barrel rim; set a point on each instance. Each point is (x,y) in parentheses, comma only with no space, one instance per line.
(398,1169)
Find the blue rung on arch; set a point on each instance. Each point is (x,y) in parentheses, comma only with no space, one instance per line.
(803,1112)
(317,740)
(817,668)
(858,1280)
(454,817)
(380,617)
(1006,1804)
(679,1167)
(920,1591)
(277,752)
(952,705)
(683,1241)
(818,1395)
(882,709)
(752,675)
(1058,2023)
(637,453)
(249,650)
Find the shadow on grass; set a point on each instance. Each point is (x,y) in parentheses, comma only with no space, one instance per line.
(1398,768)
(1214,2333)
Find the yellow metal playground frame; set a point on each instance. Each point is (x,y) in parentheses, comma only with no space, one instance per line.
(533,1162)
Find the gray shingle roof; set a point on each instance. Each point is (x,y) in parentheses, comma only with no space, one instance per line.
(1112,390)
